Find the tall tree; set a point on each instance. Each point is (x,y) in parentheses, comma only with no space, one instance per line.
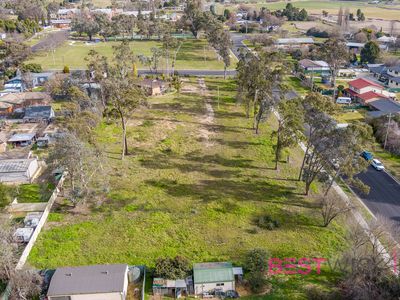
(370,52)
(221,41)
(336,54)
(193,16)
(122,95)
(290,126)
(260,81)
(317,112)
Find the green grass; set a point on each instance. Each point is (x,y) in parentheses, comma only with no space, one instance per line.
(194,54)
(387,12)
(32,193)
(177,195)
(351,116)
(295,84)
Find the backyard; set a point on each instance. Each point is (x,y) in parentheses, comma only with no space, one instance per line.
(194,54)
(196,184)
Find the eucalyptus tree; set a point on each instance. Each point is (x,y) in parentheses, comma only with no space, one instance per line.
(336,54)
(261,82)
(317,112)
(290,126)
(122,95)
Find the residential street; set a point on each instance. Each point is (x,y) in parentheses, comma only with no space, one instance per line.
(384,196)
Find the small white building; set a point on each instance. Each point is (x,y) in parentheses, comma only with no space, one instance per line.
(208,277)
(97,282)
(18,170)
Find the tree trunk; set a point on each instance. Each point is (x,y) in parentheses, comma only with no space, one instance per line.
(124,140)
(304,160)
(308,185)
(224,71)
(277,150)
(334,85)
(331,182)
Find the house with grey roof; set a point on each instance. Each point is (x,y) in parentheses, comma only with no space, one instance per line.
(97,282)
(22,139)
(18,170)
(39,113)
(208,277)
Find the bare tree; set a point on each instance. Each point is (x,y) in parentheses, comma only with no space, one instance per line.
(24,284)
(332,206)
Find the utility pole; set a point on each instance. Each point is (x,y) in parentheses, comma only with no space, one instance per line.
(387,131)
(218,97)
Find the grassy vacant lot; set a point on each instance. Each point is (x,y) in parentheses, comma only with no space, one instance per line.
(194,54)
(196,190)
(387,12)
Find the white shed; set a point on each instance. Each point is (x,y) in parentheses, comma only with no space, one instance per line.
(18,170)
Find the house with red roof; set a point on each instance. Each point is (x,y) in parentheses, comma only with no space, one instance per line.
(365,91)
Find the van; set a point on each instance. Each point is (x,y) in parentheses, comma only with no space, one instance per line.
(343,100)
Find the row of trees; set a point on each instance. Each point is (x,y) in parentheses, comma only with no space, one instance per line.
(331,152)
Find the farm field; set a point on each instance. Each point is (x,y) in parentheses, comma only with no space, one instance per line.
(196,184)
(194,54)
(387,12)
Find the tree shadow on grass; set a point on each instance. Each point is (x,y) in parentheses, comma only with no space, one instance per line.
(215,190)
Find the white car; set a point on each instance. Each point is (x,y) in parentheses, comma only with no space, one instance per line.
(377,165)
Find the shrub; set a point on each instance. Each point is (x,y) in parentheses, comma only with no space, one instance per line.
(256,260)
(66,70)
(34,68)
(172,268)
(256,281)
(267,222)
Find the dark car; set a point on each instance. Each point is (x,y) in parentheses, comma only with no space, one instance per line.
(367,155)
(231,294)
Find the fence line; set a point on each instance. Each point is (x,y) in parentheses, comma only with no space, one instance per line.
(41,223)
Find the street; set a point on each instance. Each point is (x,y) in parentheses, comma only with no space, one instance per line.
(384,196)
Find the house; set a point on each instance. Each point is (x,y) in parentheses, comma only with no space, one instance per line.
(208,277)
(356,47)
(152,87)
(39,113)
(5,108)
(173,288)
(97,282)
(23,235)
(22,139)
(394,77)
(364,90)
(314,66)
(294,42)
(384,107)
(38,79)
(67,13)
(18,170)
(20,100)
(61,23)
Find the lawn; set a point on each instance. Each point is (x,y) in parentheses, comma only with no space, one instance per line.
(32,193)
(195,190)
(387,12)
(194,54)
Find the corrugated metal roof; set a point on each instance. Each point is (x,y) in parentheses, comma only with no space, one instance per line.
(295,41)
(213,272)
(21,137)
(14,165)
(88,280)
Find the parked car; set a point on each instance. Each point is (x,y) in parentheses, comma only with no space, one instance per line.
(232,294)
(343,100)
(207,295)
(367,155)
(377,165)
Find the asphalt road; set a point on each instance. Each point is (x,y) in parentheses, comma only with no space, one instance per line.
(384,196)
